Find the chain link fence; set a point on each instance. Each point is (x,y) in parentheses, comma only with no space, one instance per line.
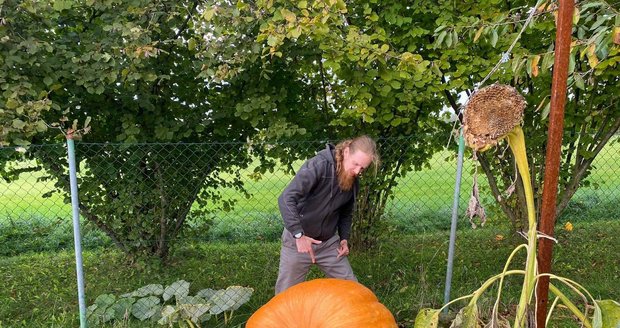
(174,201)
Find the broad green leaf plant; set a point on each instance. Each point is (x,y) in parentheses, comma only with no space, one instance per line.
(169,305)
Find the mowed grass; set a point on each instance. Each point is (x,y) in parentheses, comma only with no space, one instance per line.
(24,198)
(406,272)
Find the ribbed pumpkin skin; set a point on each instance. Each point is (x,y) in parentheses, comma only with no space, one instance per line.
(323,303)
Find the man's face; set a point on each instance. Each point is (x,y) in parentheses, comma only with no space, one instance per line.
(355,163)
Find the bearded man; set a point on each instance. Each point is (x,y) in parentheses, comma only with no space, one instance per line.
(317,209)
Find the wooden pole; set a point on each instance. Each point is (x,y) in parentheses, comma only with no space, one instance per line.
(564,27)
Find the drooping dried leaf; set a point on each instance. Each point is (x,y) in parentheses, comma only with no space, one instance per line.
(467,318)
(511,189)
(474,208)
(498,322)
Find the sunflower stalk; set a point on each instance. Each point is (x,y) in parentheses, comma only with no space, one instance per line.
(516,141)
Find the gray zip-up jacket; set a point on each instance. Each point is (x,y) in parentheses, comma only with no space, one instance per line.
(313,202)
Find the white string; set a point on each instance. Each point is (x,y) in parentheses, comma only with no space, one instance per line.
(541,235)
(453,131)
(506,55)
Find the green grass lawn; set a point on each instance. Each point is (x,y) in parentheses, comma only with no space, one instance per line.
(24,199)
(406,271)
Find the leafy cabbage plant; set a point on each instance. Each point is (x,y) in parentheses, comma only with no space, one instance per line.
(170,304)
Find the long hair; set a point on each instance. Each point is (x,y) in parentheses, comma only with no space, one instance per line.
(362,143)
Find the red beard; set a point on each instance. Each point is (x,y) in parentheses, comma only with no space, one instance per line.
(345,180)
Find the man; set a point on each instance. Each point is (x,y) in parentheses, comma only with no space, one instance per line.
(317,209)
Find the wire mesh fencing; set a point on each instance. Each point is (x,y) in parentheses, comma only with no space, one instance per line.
(163,199)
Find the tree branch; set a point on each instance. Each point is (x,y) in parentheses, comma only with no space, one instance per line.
(185,23)
(451,100)
(486,168)
(108,231)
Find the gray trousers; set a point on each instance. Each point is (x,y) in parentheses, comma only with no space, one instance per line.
(294,266)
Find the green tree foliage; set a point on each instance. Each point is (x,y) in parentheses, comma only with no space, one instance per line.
(151,71)
(389,67)
(268,71)
(133,70)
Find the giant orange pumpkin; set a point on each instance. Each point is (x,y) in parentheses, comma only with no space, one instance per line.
(323,303)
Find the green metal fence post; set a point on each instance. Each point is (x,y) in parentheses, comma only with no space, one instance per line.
(455,208)
(76,229)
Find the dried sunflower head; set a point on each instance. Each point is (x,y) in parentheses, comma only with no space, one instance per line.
(490,114)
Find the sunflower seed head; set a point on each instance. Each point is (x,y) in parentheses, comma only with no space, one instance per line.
(490,114)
